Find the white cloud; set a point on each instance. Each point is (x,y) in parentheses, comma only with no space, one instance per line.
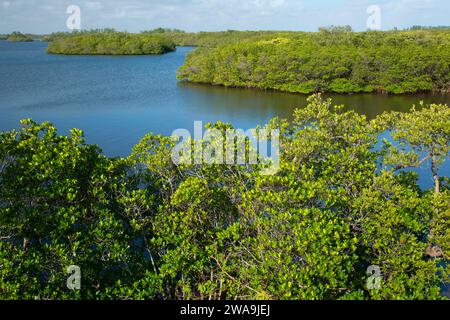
(195,15)
(269,3)
(403,5)
(94,5)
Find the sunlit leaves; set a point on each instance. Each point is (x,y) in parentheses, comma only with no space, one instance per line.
(342,62)
(144,228)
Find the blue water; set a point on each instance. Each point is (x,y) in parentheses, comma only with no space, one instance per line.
(116,100)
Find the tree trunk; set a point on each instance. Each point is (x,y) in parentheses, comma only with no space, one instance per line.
(437,186)
(434,251)
(25,243)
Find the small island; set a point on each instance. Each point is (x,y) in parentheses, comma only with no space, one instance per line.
(111,43)
(18,37)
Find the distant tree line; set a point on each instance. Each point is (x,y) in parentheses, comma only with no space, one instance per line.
(110,43)
(429,28)
(18,37)
(335,59)
(331,60)
(59,35)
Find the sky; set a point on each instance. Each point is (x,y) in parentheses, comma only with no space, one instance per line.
(45,16)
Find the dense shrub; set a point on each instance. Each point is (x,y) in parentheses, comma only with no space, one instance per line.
(18,37)
(144,228)
(328,61)
(110,43)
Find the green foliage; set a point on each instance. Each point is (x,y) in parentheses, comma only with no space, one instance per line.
(18,37)
(109,42)
(214,39)
(422,136)
(332,60)
(56,211)
(60,35)
(145,228)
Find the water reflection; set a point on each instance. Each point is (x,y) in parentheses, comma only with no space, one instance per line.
(261,103)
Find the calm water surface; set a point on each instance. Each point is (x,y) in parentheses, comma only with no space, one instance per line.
(116,100)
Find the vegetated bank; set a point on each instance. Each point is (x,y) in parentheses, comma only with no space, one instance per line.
(335,59)
(214,39)
(142,227)
(85,41)
(179,37)
(111,43)
(18,37)
(332,60)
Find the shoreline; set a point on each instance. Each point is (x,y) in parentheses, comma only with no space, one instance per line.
(374,93)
